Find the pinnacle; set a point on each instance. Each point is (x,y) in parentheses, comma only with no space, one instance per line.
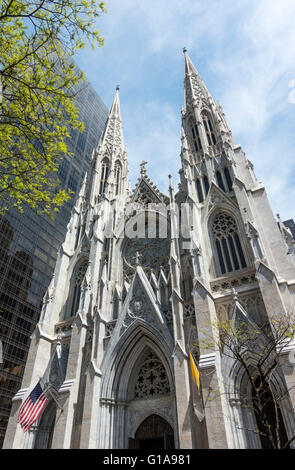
(195,89)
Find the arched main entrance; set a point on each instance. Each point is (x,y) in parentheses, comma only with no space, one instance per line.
(153,433)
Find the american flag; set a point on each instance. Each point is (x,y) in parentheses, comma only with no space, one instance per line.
(32,407)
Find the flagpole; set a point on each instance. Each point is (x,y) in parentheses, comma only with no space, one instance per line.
(48,389)
(53,397)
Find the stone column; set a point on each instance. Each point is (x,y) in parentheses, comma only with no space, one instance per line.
(69,391)
(215,406)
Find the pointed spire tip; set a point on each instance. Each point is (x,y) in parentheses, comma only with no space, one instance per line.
(184,50)
(117,87)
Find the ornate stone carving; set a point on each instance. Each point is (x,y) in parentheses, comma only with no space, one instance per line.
(253,305)
(188,310)
(139,307)
(113,138)
(154,253)
(152,378)
(110,328)
(228,283)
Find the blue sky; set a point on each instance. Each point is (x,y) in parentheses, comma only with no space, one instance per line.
(245,52)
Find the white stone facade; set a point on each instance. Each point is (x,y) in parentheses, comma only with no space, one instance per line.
(129,310)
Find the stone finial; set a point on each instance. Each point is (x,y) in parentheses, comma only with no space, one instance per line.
(235,295)
(143,168)
(138,257)
(117,87)
(184,50)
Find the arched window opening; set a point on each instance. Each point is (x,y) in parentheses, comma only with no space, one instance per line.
(206,184)
(187,289)
(78,230)
(151,378)
(163,294)
(228,179)
(117,177)
(268,417)
(78,277)
(104,175)
(220,180)
(209,130)
(116,305)
(199,191)
(227,242)
(196,138)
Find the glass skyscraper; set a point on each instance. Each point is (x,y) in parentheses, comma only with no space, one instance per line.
(28,252)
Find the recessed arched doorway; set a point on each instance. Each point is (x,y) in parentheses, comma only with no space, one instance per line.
(153,433)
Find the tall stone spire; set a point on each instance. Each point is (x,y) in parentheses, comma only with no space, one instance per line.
(110,162)
(195,90)
(197,101)
(112,139)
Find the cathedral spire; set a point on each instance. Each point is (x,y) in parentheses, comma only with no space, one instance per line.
(112,139)
(195,90)
(110,178)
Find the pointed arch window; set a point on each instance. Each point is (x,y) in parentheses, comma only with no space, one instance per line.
(220,180)
(228,179)
(209,130)
(206,184)
(117,177)
(104,175)
(199,191)
(116,306)
(196,138)
(227,243)
(76,282)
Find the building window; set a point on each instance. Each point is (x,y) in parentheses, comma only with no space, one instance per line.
(227,242)
(228,179)
(199,190)
(196,138)
(209,130)
(117,177)
(104,175)
(78,277)
(220,181)
(116,306)
(206,184)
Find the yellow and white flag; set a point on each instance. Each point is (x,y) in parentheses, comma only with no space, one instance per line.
(196,392)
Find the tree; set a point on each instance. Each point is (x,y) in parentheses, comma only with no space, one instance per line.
(39,83)
(256,350)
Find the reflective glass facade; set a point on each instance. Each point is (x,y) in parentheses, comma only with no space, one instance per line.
(28,251)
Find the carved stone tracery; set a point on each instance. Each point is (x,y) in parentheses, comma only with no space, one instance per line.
(152,378)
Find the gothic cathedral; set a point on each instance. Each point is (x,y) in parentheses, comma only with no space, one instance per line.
(138,281)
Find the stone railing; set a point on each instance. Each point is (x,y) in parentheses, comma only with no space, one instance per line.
(227,283)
